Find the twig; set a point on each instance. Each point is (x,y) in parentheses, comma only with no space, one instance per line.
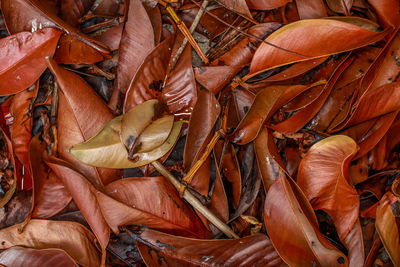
(248,34)
(89,15)
(93,69)
(53,118)
(54,105)
(195,202)
(192,28)
(189,176)
(184,30)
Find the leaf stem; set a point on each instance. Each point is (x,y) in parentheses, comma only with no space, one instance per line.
(195,202)
(192,28)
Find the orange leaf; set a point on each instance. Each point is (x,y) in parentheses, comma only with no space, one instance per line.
(323,178)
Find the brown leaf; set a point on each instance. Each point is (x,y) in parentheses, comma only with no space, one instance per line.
(387,228)
(224,68)
(300,244)
(201,129)
(49,196)
(84,195)
(340,6)
(22,58)
(374,103)
(323,178)
(20,129)
(79,120)
(354,243)
(151,202)
(72,10)
(238,6)
(112,37)
(386,12)
(73,238)
(229,166)
(265,104)
(137,36)
(255,250)
(48,257)
(31,15)
(266,4)
(179,93)
(300,118)
(138,119)
(342,36)
(311,9)
(268,159)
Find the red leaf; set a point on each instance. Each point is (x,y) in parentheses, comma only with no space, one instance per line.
(300,244)
(342,36)
(22,58)
(50,257)
(49,195)
(179,92)
(84,195)
(81,114)
(137,36)
(323,178)
(151,202)
(266,4)
(311,9)
(255,250)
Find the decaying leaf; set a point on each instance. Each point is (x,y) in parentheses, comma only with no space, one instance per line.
(19,256)
(194,252)
(22,58)
(287,208)
(106,148)
(283,134)
(73,238)
(327,186)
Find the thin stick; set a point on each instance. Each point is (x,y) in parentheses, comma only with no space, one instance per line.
(248,34)
(53,118)
(189,176)
(192,28)
(195,202)
(89,15)
(54,105)
(185,31)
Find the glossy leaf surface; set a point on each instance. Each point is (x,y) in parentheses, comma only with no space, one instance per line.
(128,201)
(301,244)
(134,38)
(342,36)
(19,256)
(326,186)
(22,58)
(387,227)
(79,121)
(179,251)
(71,237)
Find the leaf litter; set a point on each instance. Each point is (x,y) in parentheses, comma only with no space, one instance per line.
(199,133)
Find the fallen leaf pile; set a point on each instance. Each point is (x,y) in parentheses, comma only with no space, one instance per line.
(200,133)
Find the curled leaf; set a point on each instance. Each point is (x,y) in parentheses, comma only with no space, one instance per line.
(301,244)
(137,119)
(106,150)
(72,237)
(323,178)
